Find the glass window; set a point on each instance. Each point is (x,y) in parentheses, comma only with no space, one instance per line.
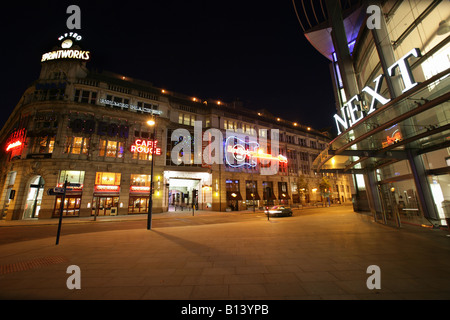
(110,148)
(141,180)
(77,143)
(232,185)
(43,144)
(107,178)
(102,148)
(120,149)
(71,206)
(187,120)
(71,176)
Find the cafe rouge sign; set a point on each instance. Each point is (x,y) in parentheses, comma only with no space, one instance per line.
(352,111)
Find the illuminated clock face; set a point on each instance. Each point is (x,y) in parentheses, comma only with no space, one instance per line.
(66,44)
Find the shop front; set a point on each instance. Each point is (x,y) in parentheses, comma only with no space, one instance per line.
(399,157)
(252,197)
(139,193)
(105,200)
(185,189)
(72,199)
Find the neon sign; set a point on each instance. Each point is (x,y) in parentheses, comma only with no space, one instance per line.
(13,145)
(393,137)
(145,146)
(66,54)
(252,152)
(15,142)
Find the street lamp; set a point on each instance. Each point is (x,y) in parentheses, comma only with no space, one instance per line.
(151,123)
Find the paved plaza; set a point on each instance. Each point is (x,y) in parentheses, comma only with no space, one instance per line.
(318,254)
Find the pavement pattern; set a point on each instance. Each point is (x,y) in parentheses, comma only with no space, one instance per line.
(318,254)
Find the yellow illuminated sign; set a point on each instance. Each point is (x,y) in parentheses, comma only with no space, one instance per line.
(66,54)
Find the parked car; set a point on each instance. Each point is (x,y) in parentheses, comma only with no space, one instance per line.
(278,211)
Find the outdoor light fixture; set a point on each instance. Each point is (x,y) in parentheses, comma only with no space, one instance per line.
(151,122)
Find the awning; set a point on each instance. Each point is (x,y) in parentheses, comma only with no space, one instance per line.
(234,195)
(250,195)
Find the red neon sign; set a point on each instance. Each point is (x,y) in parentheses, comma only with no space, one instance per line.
(259,154)
(145,146)
(15,141)
(13,145)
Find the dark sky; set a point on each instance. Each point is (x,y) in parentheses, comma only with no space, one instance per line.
(251,50)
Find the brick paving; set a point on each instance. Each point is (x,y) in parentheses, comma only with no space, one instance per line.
(319,254)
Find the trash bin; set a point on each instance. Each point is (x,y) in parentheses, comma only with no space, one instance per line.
(446,207)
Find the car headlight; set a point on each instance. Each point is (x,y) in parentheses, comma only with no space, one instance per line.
(274,211)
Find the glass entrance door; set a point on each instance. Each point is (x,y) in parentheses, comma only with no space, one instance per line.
(105,206)
(34,198)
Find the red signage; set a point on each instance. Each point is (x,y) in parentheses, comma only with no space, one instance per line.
(145,146)
(15,142)
(13,145)
(139,189)
(240,153)
(106,188)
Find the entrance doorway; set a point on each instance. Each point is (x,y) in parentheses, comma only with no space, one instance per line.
(105,206)
(34,198)
(181,193)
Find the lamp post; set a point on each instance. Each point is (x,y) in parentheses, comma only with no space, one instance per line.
(150,200)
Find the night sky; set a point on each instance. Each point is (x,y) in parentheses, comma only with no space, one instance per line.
(248,50)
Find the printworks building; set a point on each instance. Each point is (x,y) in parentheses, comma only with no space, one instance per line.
(390,64)
(90,129)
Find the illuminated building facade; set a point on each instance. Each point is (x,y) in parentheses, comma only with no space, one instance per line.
(389,62)
(90,129)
